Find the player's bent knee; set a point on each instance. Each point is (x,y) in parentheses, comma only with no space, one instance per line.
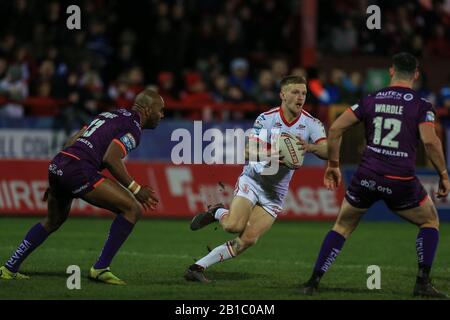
(233,227)
(343,230)
(430,223)
(51,225)
(134,212)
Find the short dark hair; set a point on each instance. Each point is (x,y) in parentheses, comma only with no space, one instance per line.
(405,64)
(292,80)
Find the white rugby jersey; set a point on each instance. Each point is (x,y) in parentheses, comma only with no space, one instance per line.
(267,128)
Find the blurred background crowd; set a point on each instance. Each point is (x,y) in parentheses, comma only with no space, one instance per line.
(209,59)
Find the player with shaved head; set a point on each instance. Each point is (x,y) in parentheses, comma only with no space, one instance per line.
(75,173)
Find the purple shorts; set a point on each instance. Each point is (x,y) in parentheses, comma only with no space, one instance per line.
(367,187)
(69,175)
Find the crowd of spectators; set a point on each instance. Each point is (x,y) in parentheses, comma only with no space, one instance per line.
(421,27)
(227,55)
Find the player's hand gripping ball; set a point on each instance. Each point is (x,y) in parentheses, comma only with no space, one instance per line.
(291,151)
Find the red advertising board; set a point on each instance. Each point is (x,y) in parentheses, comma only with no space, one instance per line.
(183,190)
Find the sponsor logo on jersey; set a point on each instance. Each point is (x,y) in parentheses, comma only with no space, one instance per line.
(408,97)
(109,115)
(86,143)
(430,116)
(389,94)
(277,124)
(53,168)
(80,188)
(128,141)
(258,124)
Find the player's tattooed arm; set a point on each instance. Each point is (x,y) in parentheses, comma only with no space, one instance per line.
(73,138)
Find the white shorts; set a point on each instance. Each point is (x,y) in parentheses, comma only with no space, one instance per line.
(248,188)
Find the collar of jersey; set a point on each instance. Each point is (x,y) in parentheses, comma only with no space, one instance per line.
(289,124)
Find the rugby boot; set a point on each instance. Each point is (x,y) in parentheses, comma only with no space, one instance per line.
(5,274)
(196,273)
(106,276)
(204,218)
(426,290)
(310,287)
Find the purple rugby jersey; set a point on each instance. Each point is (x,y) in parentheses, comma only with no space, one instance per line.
(121,126)
(391,119)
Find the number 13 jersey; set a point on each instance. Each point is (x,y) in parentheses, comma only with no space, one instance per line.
(120,126)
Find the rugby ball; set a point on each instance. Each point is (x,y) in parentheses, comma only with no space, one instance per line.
(290,150)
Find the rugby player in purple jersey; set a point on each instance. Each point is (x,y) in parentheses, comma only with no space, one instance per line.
(395,118)
(75,173)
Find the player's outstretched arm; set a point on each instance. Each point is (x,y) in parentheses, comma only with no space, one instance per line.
(320,149)
(435,153)
(339,126)
(332,177)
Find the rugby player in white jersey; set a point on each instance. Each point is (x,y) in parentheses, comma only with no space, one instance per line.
(260,190)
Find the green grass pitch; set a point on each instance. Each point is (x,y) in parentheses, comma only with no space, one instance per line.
(155,256)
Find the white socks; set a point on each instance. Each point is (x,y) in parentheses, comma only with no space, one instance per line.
(219,254)
(220,213)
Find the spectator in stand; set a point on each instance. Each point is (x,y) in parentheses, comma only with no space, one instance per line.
(167,88)
(136,79)
(344,38)
(236,95)
(240,75)
(92,83)
(422,88)
(196,93)
(22,59)
(444,95)
(352,88)
(220,88)
(280,69)
(3,67)
(46,72)
(316,90)
(439,44)
(120,93)
(15,89)
(334,85)
(73,114)
(264,91)
(7,45)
